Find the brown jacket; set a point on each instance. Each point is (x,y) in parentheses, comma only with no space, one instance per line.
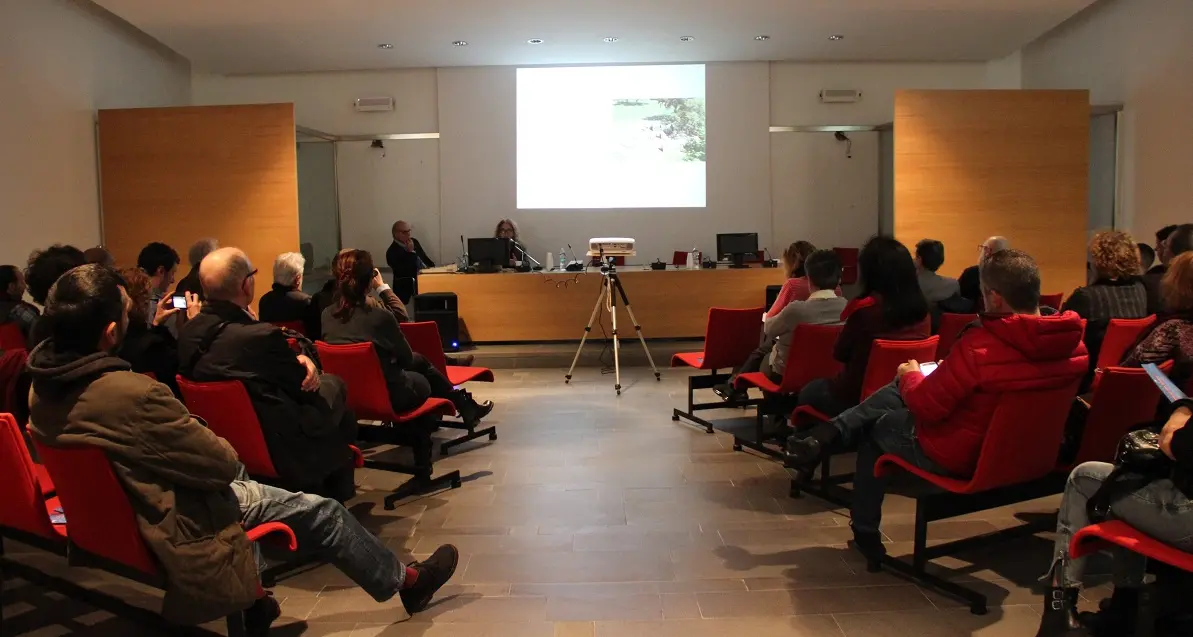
(175,471)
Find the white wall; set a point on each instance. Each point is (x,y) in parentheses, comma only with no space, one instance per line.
(62,61)
(465,182)
(1138,53)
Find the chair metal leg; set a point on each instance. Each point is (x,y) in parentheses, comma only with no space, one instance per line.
(473,434)
(236,624)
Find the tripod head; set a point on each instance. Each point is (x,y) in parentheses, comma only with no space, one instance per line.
(608,267)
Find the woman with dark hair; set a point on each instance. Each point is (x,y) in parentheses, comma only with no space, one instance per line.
(361,313)
(891,306)
(1170,338)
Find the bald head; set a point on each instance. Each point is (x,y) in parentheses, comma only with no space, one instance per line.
(224,275)
(991,246)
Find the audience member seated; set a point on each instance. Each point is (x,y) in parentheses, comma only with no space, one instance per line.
(148,346)
(893,307)
(13,307)
(190,283)
(160,262)
(99,255)
(1161,508)
(969,281)
(286,301)
(795,285)
(363,312)
(303,415)
(938,422)
(1171,242)
(929,256)
(188,490)
(823,306)
(45,266)
(406,258)
(1170,338)
(1116,292)
(1147,256)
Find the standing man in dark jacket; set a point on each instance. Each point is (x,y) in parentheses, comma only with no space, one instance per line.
(194,256)
(186,485)
(303,415)
(406,258)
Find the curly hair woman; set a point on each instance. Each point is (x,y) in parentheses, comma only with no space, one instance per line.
(360,314)
(1116,292)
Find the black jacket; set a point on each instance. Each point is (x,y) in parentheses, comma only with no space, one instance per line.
(283,304)
(300,430)
(152,350)
(189,283)
(1151,281)
(404,264)
(378,324)
(970,283)
(1099,302)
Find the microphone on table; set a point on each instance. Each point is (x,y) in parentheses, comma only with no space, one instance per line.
(525,254)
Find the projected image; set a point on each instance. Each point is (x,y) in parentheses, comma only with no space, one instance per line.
(672,126)
(611,137)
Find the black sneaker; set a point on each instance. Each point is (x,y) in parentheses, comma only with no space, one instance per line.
(262,614)
(432,575)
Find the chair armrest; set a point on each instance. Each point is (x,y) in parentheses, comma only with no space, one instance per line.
(804,410)
(285,535)
(358,459)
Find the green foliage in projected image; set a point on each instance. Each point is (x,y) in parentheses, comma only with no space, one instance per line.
(679,118)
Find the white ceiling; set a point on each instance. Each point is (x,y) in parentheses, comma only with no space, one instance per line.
(273,36)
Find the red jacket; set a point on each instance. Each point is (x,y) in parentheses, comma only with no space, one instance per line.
(953,406)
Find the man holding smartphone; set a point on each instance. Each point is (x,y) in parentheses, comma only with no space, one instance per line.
(939,421)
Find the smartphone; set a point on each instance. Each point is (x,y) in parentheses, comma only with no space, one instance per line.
(179,302)
(928,368)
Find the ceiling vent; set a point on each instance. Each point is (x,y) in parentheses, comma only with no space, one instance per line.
(374,104)
(840,96)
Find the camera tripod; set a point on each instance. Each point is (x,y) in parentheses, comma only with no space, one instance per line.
(611,288)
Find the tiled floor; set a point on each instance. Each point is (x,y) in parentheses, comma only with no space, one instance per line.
(597,516)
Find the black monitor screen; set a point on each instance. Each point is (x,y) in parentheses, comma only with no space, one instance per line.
(737,243)
(489,251)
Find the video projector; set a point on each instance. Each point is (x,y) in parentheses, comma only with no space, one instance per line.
(611,247)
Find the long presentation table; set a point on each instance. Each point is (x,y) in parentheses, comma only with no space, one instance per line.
(513,307)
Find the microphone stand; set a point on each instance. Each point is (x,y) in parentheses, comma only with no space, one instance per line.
(526,255)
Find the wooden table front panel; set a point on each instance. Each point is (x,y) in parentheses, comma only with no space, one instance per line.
(550,306)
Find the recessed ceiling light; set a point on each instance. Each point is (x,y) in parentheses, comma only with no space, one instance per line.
(836,37)
(686,38)
(610,40)
(460,43)
(385,46)
(534,41)
(762,38)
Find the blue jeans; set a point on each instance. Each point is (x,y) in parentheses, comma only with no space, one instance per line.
(880,424)
(1157,509)
(325,529)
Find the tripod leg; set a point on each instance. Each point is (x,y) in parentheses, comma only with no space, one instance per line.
(587,329)
(638,329)
(616,346)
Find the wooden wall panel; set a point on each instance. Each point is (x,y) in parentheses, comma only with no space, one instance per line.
(971,164)
(180,174)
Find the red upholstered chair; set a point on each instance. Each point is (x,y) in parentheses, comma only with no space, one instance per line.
(368,397)
(11,337)
(848,257)
(950,330)
(1053,301)
(103,529)
(1121,334)
(1107,535)
(424,339)
(1124,398)
(1008,471)
(297,326)
(809,357)
(226,408)
(729,337)
(885,358)
(24,509)
(12,366)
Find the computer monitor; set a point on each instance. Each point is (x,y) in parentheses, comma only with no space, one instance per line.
(737,245)
(489,254)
